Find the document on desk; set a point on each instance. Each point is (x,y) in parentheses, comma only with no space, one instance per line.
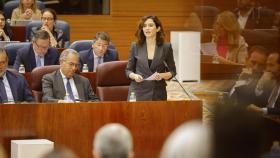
(152,77)
(209,48)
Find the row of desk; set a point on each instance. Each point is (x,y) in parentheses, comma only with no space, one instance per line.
(74,125)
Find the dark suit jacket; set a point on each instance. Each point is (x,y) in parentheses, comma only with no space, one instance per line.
(245,94)
(54,90)
(265,98)
(138,63)
(19,87)
(26,56)
(258,19)
(86,57)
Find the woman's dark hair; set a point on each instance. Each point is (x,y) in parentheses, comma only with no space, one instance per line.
(7,27)
(141,38)
(51,11)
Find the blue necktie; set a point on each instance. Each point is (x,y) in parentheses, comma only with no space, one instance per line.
(3,93)
(69,90)
(99,60)
(38,64)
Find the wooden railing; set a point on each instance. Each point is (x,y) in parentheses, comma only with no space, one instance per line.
(74,125)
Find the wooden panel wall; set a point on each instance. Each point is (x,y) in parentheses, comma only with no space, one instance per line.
(122,23)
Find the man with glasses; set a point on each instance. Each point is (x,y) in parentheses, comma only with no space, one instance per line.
(64,85)
(38,53)
(13,86)
(99,52)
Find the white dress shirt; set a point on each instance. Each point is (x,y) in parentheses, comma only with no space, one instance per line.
(8,89)
(95,57)
(37,57)
(242,20)
(72,83)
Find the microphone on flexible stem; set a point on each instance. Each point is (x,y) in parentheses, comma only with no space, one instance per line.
(191,96)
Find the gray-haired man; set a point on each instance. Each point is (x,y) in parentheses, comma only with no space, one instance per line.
(113,141)
(66,83)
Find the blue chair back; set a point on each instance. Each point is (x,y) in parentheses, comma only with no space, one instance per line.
(12,49)
(11,5)
(63,25)
(81,45)
(86,44)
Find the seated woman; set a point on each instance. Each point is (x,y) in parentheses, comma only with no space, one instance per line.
(48,24)
(27,10)
(5,30)
(231,46)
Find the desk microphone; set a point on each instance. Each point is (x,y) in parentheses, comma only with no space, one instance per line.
(191,96)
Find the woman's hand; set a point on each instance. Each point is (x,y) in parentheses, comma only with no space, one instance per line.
(158,77)
(3,34)
(52,39)
(28,14)
(136,77)
(46,28)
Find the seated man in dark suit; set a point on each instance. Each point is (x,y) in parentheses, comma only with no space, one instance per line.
(270,103)
(13,86)
(243,92)
(64,85)
(38,53)
(99,52)
(250,16)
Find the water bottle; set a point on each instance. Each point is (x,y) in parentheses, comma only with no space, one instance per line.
(275,150)
(215,59)
(67,97)
(132,97)
(85,68)
(21,69)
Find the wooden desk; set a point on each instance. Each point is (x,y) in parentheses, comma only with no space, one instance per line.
(19,33)
(74,125)
(210,71)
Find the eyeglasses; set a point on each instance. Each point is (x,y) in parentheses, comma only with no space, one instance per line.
(46,19)
(72,64)
(44,48)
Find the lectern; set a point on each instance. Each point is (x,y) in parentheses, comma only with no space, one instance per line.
(186,50)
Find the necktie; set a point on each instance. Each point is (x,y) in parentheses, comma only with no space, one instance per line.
(3,93)
(69,90)
(273,97)
(99,60)
(38,63)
